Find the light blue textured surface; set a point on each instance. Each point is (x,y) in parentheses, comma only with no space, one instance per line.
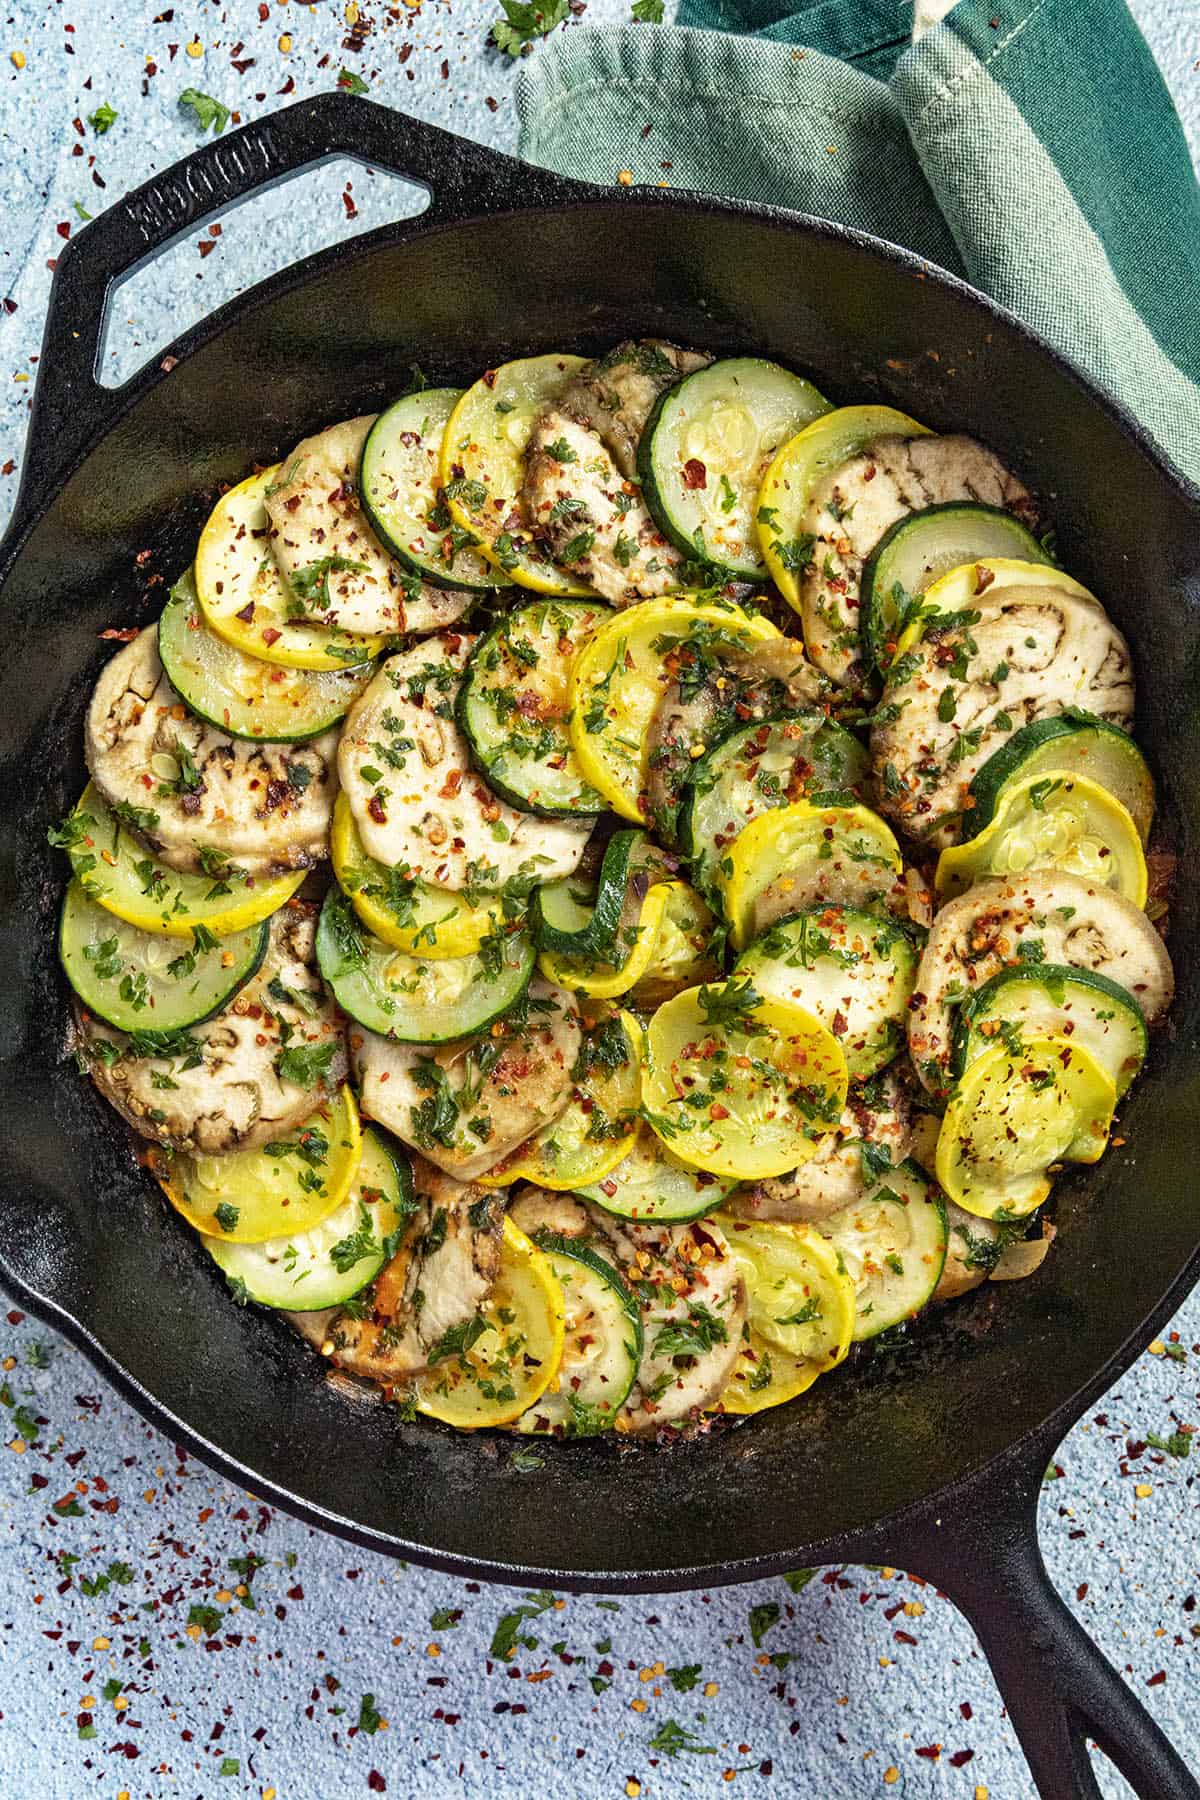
(863,1693)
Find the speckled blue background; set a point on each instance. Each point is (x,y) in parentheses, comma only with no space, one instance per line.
(136,1659)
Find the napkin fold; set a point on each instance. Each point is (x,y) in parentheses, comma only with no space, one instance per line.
(1030,145)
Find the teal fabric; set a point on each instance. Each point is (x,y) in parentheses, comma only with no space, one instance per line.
(1032,147)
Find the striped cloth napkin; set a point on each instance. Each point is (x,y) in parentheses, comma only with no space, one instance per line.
(1030,145)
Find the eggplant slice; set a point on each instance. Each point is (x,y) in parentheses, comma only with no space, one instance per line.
(615,395)
(328,554)
(418,802)
(592,520)
(763,681)
(188,788)
(1048,916)
(439,1278)
(466,1106)
(218,1088)
(961,692)
(853,507)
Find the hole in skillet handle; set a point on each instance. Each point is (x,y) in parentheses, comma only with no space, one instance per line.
(72,409)
(203,267)
(978,1542)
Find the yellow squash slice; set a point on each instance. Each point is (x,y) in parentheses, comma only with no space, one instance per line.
(801,856)
(249,1196)
(621,674)
(740,1086)
(512,1350)
(1010,1118)
(409,915)
(800,466)
(801,1312)
(1053,820)
(120,874)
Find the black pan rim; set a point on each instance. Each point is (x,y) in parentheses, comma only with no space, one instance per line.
(573,195)
(125,399)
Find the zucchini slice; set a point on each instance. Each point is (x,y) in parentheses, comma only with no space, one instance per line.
(650,1184)
(418,999)
(510,1352)
(116,871)
(602,1344)
(139,980)
(595,1131)
(249,1196)
(854,971)
(1010,1118)
(758,767)
(1052,821)
(789,484)
(1073,741)
(623,671)
(512,707)
(571,922)
(1043,1000)
(399,486)
(605,979)
(739,1085)
(405,913)
(483,465)
(705,449)
(892,1244)
(245,599)
(308,1271)
(801,1313)
(917,551)
(241,694)
(801,856)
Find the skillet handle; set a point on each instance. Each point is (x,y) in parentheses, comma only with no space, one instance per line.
(982,1549)
(71,410)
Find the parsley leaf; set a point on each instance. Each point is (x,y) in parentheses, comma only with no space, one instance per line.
(305,1064)
(207,110)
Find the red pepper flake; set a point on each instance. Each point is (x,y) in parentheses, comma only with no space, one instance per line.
(376,1783)
(64,228)
(206,246)
(930,1752)
(1081,1591)
(271,636)
(376,809)
(247,613)
(695,474)
(123,634)
(348,202)
(1156,1680)
(960,1759)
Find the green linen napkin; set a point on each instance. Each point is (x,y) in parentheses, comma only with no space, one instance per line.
(1028,144)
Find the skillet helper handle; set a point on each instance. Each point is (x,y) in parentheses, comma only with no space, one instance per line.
(71,410)
(1058,1687)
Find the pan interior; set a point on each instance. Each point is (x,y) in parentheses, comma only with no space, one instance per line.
(82,1225)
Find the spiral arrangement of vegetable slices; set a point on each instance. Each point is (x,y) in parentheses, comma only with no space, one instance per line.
(607,888)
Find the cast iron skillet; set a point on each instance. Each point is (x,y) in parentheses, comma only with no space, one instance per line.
(931,1459)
